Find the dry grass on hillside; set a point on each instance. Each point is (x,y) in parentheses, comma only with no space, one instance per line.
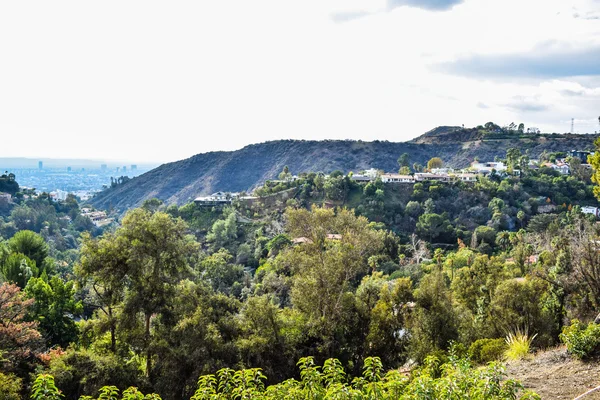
(553,374)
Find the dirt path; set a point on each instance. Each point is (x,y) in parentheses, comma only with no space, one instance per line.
(553,374)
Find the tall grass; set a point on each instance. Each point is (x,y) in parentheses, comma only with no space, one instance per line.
(519,344)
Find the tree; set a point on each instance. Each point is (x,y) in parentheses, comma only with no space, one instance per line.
(513,157)
(285,174)
(219,270)
(403,161)
(223,231)
(54,308)
(521,127)
(158,250)
(18,268)
(20,341)
(32,245)
(435,228)
(324,268)
(434,324)
(404,171)
(435,162)
(103,268)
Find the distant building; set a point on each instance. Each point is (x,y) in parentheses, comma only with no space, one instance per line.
(427,176)
(215,199)
(103,167)
(582,155)
(487,167)
(360,178)
(134,167)
(40,165)
(397,178)
(595,211)
(466,177)
(372,173)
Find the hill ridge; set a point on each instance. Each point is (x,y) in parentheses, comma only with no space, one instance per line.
(244,169)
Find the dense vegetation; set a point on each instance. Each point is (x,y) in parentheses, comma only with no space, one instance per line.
(308,291)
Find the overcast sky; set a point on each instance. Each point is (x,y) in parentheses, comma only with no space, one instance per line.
(161,81)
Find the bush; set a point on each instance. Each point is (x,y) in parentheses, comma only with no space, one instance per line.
(519,344)
(582,343)
(10,386)
(485,350)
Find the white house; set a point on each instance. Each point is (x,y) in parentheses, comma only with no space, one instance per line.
(487,167)
(397,178)
(427,176)
(372,173)
(466,177)
(218,198)
(591,210)
(361,178)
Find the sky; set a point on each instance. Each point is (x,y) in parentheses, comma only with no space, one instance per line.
(158,81)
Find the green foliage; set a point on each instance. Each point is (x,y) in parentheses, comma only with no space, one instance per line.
(44,388)
(582,342)
(31,244)
(54,309)
(10,387)
(84,372)
(458,380)
(435,228)
(483,351)
(18,269)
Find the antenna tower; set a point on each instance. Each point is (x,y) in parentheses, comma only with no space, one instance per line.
(572,125)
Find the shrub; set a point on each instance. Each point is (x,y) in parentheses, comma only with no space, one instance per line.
(485,350)
(10,386)
(519,344)
(582,343)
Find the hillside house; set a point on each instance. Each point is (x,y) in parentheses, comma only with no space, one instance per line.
(397,178)
(487,167)
(372,173)
(361,178)
(428,176)
(582,155)
(215,199)
(466,177)
(595,211)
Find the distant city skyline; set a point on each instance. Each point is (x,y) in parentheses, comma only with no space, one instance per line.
(167,82)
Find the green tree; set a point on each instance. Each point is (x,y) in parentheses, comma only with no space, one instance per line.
(223,231)
(158,250)
(18,268)
(403,161)
(323,269)
(103,268)
(513,157)
(435,228)
(435,162)
(55,309)
(32,245)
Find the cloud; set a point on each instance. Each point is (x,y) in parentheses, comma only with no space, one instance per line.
(524,104)
(545,61)
(436,5)
(341,17)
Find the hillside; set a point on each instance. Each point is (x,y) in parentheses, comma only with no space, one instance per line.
(244,169)
(554,375)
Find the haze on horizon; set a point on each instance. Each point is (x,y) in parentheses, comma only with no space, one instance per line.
(150,81)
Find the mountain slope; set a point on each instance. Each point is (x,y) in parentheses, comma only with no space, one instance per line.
(244,169)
